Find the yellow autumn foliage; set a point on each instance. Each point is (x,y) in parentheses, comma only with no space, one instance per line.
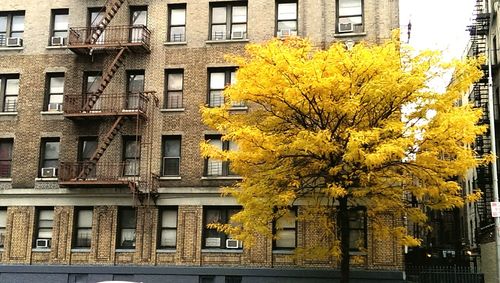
(331,124)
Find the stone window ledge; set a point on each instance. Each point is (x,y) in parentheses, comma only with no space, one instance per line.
(46,179)
(6,180)
(11,48)
(166,251)
(57,47)
(125,251)
(229,251)
(80,250)
(51,112)
(168,178)
(8,113)
(42,250)
(221,178)
(170,110)
(284,252)
(168,43)
(228,41)
(349,34)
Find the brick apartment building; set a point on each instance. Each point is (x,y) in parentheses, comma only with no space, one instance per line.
(101,175)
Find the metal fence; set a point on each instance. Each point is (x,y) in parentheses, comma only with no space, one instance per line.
(443,274)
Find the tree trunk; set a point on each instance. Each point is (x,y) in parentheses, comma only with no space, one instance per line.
(343,222)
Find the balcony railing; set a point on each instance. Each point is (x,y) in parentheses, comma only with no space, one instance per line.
(102,174)
(108,104)
(137,37)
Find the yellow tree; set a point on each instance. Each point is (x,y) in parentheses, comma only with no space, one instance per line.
(340,128)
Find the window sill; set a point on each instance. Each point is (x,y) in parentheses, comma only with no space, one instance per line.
(43,250)
(11,48)
(238,108)
(6,180)
(167,43)
(80,250)
(8,113)
(357,253)
(229,251)
(284,252)
(172,110)
(124,250)
(221,178)
(349,34)
(162,178)
(227,41)
(51,112)
(46,179)
(57,47)
(129,178)
(166,251)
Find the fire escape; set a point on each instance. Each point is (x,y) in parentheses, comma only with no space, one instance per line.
(118,110)
(479,97)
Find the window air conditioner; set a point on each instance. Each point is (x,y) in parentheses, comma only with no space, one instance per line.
(14,42)
(42,243)
(233,244)
(57,41)
(54,107)
(284,33)
(48,172)
(237,35)
(346,27)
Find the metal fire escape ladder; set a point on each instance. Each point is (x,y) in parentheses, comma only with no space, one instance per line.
(478,32)
(110,135)
(111,7)
(105,79)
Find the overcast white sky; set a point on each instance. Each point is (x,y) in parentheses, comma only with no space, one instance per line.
(437,24)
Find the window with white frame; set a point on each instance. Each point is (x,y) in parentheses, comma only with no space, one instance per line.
(44,224)
(126,228)
(3,226)
(171,155)
(219,78)
(83,228)
(11,28)
(286,230)
(9,90)
(6,147)
(349,16)
(49,157)
(177,22)
(59,27)
(174,88)
(286,18)
(168,227)
(212,238)
(228,20)
(215,167)
(55,92)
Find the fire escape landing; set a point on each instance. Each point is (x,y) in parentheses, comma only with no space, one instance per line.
(116,109)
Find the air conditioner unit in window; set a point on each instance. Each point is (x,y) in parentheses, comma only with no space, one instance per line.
(346,27)
(49,172)
(286,32)
(233,244)
(42,243)
(14,42)
(54,107)
(57,41)
(237,35)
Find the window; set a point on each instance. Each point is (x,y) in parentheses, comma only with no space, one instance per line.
(135,87)
(6,157)
(357,228)
(3,226)
(138,19)
(55,92)
(177,23)
(95,16)
(43,232)
(213,238)
(171,155)
(82,236)
(228,21)
(175,84)
(86,149)
(214,167)
(168,228)
(218,80)
(11,28)
(49,157)
(131,155)
(286,18)
(126,228)
(349,16)
(285,230)
(59,27)
(9,90)
(91,83)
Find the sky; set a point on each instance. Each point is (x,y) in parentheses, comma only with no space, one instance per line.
(437,24)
